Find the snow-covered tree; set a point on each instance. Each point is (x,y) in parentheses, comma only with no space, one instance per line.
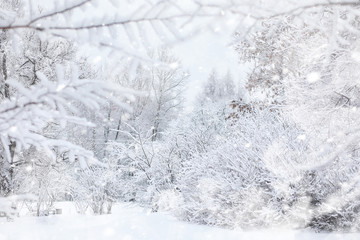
(134,140)
(318,92)
(218,88)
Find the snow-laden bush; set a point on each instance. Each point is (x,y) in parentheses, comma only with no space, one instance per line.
(234,181)
(144,168)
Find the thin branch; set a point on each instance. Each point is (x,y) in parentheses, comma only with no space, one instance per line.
(304,8)
(100,25)
(59,12)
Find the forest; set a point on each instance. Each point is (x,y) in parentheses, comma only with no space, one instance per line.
(100,106)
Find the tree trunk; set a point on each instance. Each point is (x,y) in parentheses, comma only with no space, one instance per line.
(8,189)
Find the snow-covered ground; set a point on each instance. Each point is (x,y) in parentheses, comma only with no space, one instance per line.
(133,223)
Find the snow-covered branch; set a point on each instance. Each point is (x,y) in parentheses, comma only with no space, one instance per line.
(24,116)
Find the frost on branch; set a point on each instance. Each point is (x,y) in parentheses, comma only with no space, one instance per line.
(30,110)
